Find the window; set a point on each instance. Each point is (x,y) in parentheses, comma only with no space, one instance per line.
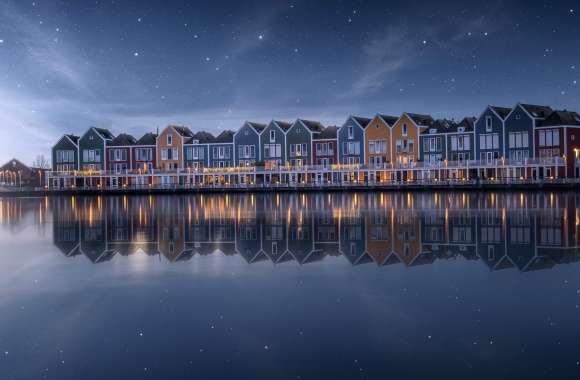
(377,146)
(144,154)
(405,131)
(351,148)
(488,124)
(350,133)
(549,137)
(489,141)
(169,140)
(65,156)
(272,151)
(518,139)
(272,136)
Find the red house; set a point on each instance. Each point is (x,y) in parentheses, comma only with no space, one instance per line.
(119,153)
(559,136)
(144,154)
(325,151)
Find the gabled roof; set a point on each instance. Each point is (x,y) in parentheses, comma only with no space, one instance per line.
(328,133)
(362,121)
(421,120)
(74,139)
(256,126)
(467,123)
(202,137)
(441,126)
(105,133)
(183,131)
(388,119)
(225,137)
(14,165)
(123,140)
(537,112)
(502,112)
(313,126)
(282,124)
(557,118)
(147,139)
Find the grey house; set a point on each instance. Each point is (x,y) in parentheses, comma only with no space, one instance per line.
(273,143)
(196,150)
(433,142)
(65,154)
(351,140)
(92,148)
(221,150)
(489,134)
(519,130)
(460,142)
(247,143)
(299,141)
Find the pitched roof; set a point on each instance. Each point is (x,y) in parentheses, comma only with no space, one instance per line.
(14,165)
(362,121)
(421,120)
(257,126)
(313,126)
(147,139)
(74,139)
(538,112)
(123,140)
(105,133)
(561,118)
(388,119)
(441,126)
(282,124)
(203,137)
(328,133)
(467,123)
(501,111)
(225,137)
(183,131)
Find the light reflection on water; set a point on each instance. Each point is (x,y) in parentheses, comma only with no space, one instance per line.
(291,285)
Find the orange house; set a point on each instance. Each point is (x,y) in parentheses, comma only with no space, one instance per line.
(405,139)
(170,147)
(377,144)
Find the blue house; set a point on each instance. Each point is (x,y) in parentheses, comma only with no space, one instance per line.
(351,140)
(247,143)
(221,150)
(299,141)
(196,150)
(273,143)
(433,142)
(489,134)
(461,141)
(519,130)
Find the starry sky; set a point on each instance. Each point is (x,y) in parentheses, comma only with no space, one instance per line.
(135,66)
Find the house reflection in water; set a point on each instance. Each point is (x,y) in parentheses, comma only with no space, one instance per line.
(522,231)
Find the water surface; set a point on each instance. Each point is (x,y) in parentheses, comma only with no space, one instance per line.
(337,286)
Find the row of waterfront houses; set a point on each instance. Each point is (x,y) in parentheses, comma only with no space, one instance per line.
(515,135)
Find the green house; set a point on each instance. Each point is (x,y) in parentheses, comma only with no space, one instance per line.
(92,148)
(65,154)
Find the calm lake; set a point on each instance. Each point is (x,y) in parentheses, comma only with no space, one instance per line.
(291,286)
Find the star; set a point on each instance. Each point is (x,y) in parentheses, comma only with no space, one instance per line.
(1,41)
(424,42)
(136,54)
(260,37)
(139,19)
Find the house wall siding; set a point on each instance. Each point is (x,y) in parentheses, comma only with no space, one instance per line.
(357,137)
(519,121)
(496,127)
(92,141)
(377,130)
(280,138)
(247,135)
(413,133)
(162,143)
(64,144)
(299,134)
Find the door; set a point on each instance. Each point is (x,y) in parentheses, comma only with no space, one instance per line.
(489,158)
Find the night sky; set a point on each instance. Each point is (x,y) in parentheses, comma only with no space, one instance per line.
(135,66)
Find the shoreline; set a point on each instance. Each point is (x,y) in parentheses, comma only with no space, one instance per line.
(412,187)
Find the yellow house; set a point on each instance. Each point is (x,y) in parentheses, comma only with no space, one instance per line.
(377,145)
(405,140)
(170,147)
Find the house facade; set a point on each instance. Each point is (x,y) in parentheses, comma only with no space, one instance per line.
(119,157)
(170,147)
(196,150)
(65,154)
(299,141)
(92,148)
(247,142)
(558,136)
(221,150)
(144,153)
(461,141)
(489,134)
(433,143)
(325,152)
(273,144)
(405,137)
(519,130)
(377,141)
(351,140)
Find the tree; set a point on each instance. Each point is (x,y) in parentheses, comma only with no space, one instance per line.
(41,162)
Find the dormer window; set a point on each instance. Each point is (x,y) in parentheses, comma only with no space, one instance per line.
(272,136)
(246,132)
(432,130)
(488,124)
(350,133)
(405,131)
(518,116)
(169,139)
